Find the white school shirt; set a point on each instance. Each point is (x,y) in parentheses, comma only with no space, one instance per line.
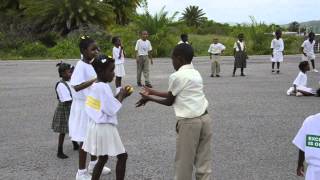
(181,42)
(301,79)
(242,45)
(101,105)
(308,140)
(143,47)
(216,48)
(187,86)
(308,47)
(82,72)
(115,55)
(63,92)
(277,45)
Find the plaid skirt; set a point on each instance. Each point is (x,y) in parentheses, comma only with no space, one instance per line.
(61,117)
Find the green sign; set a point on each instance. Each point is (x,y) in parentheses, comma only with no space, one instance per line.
(313,141)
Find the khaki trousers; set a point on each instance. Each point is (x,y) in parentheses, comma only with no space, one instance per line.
(215,65)
(193,148)
(143,66)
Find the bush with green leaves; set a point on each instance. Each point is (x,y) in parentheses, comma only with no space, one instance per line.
(35,49)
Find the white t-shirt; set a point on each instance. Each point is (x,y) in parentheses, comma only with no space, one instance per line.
(308,139)
(63,92)
(301,79)
(277,45)
(116,54)
(82,72)
(216,48)
(308,47)
(242,45)
(187,86)
(143,47)
(181,42)
(101,105)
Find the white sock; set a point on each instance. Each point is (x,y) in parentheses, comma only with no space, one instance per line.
(82,171)
(93,163)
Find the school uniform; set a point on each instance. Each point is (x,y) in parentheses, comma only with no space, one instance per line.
(78,119)
(308,48)
(240,55)
(143,48)
(215,51)
(102,137)
(61,114)
(301,84)
(278,47)
(193,125)
(118,56)
(308,141)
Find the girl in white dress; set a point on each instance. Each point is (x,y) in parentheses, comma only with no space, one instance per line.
(82,78)
(118,55)
(102,137)
(277,47)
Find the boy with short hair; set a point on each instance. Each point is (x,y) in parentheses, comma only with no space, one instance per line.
(277,47)
(308,142)
(215,51)
(185,94)
(307,49)
(143,53)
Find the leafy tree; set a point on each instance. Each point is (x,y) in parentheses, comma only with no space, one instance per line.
(64,16)
(193,16)
(124,10)
(294,26)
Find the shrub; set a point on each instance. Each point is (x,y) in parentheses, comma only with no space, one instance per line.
(35,49)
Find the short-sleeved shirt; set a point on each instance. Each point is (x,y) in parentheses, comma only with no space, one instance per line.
(143,47)
(216,48)
(187,86)
(242,45)
(277,45)
(82,72)
(308,139)
(308,47)
(116,55)
(301,79)
(63,92)
(101,105)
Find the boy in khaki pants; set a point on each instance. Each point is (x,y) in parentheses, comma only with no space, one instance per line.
(185,94)
(215,51)
(143,52)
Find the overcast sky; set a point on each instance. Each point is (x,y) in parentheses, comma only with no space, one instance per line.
(238,11)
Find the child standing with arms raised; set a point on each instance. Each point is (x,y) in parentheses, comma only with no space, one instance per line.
(240,55)
(102,138)
(215,51)
(143,53)
(307,49)
(82,78)
(61,114)
(185,94)
(277,47)
(118,56)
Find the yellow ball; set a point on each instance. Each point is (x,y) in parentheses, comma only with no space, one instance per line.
(129,89)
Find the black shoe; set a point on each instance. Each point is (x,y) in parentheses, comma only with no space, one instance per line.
(211,75)
(139,84)
(217,75)
(272,71)
(278,71)
(233,75)
(75,145)
(148,85)
(242,74)
(61,155)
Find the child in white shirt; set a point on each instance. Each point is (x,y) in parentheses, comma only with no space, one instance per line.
(307,49)
(215,51)
(118,56)
(307,141)
(102,138)
(300,83)
(277,47)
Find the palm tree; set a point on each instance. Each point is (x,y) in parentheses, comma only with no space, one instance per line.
(64,16)
(124,10)
(193,16)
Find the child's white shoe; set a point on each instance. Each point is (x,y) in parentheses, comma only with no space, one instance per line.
(105,170)
(290,90)
(298,94)
(315,70)
(83,176)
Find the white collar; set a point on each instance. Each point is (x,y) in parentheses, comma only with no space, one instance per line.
(186,66)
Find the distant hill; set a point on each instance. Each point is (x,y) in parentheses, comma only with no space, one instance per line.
(315,25)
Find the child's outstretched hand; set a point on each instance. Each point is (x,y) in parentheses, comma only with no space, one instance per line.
(144,99)
(147,90)
(300,171)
